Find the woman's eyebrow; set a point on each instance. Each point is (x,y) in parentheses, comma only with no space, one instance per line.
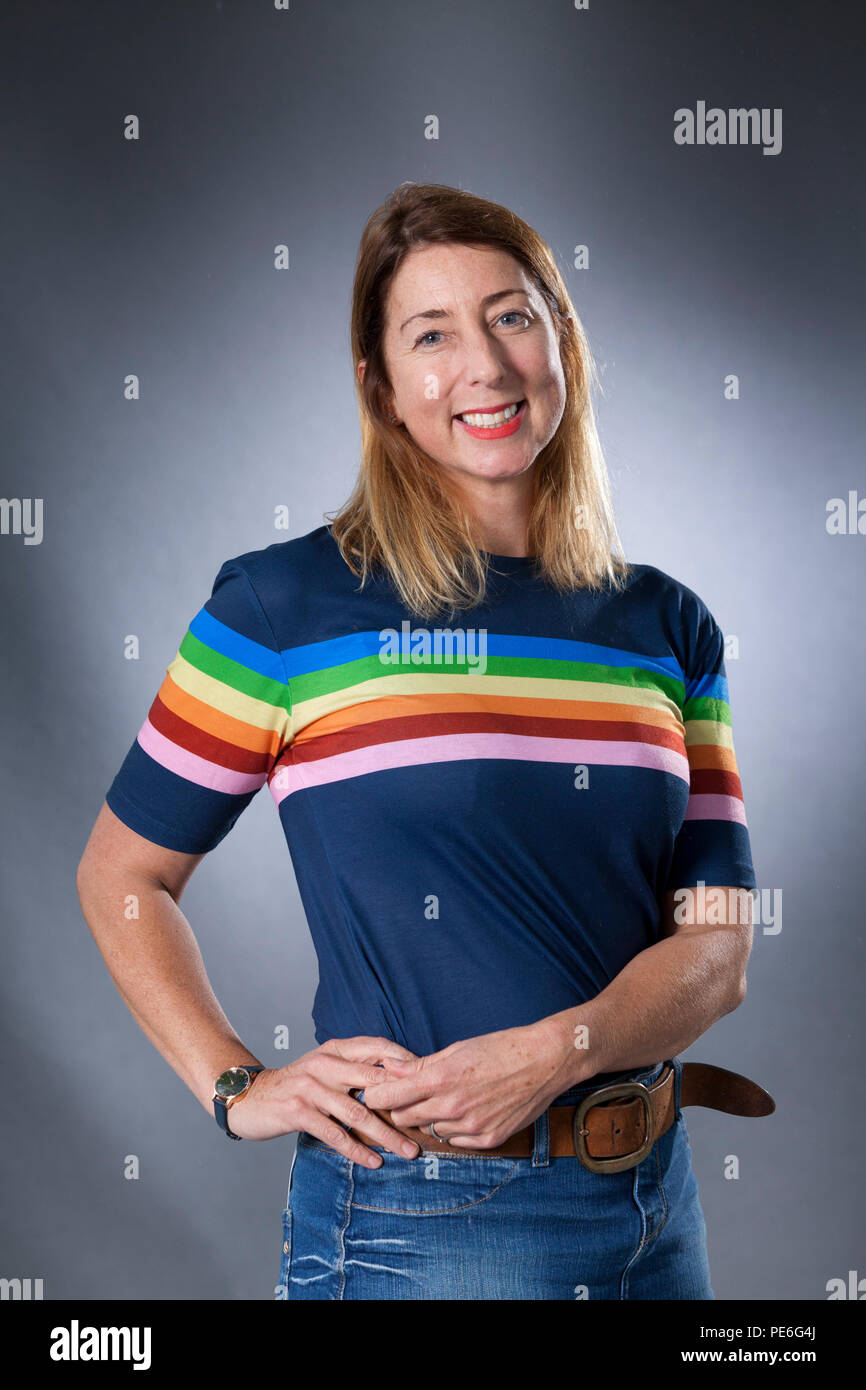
(445,313)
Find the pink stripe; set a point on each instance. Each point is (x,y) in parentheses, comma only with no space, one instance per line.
(194,768)
(714,806)
(412,752)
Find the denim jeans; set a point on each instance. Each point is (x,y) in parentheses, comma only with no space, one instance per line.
(447,1226)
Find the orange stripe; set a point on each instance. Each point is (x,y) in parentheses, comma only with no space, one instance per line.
(396,706)
(712,755)
(216,722)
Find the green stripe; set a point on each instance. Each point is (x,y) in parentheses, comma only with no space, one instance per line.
(234,673)
(314,684)
(705,707)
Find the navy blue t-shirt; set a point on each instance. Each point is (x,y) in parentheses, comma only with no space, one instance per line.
(482,816)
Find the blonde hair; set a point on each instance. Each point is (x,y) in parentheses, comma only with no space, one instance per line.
(402,515)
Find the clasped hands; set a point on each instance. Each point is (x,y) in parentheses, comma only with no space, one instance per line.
(477,1092)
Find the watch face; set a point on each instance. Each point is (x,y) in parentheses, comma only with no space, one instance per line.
(232,1083)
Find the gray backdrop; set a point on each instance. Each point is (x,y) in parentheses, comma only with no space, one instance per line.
(154,256)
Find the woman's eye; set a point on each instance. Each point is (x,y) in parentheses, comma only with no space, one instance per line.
(436,333)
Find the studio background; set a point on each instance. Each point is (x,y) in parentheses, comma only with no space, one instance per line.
(155,257)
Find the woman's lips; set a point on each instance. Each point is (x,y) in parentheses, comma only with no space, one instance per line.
(497,431)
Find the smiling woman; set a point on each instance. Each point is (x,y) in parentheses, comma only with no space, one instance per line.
(489,837)
(495,349)
(459,316)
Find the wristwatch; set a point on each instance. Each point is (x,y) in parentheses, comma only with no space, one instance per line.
(231,1086)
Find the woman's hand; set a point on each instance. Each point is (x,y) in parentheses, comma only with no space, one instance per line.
(313,1094)
(477,1092)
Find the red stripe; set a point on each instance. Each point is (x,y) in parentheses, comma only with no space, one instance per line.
(715,781)
(459,722)
(205,745)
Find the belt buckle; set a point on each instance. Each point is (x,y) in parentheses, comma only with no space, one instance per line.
(617,1163)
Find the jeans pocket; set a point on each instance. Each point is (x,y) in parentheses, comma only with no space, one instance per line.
(282,1289)
(431,1184)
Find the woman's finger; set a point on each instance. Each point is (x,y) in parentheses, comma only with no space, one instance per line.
(341,1106)
(396,1093)
(418,1115)
(441,1131)
(323,1127)
(341,1073)
(364,1049)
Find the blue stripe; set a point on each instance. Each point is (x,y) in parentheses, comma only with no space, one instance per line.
(338,651)
(715,687)
(234,645)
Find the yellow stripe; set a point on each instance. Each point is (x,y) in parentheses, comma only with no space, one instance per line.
(306,712)
(210,691)
(708,731)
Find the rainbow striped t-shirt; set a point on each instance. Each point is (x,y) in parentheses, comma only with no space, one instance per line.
(482,816)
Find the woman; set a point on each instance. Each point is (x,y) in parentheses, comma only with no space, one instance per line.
(497,759)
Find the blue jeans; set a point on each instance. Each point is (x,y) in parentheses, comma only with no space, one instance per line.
(445,1226)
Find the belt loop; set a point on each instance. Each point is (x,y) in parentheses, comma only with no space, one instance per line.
(541,1141)
(678,1085)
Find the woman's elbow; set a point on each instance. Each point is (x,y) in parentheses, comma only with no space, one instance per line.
(738,992)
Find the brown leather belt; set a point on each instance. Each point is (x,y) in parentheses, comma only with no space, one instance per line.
(613,1127)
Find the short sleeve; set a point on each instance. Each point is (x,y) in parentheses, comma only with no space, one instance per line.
(216,726)
(713,845)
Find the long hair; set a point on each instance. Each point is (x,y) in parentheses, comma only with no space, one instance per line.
(402,514)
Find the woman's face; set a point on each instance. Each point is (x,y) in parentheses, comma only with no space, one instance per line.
(467,332)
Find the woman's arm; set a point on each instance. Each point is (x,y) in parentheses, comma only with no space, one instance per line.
(667,995)
(129,890)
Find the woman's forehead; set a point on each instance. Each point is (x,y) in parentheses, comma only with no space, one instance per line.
(452,274)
